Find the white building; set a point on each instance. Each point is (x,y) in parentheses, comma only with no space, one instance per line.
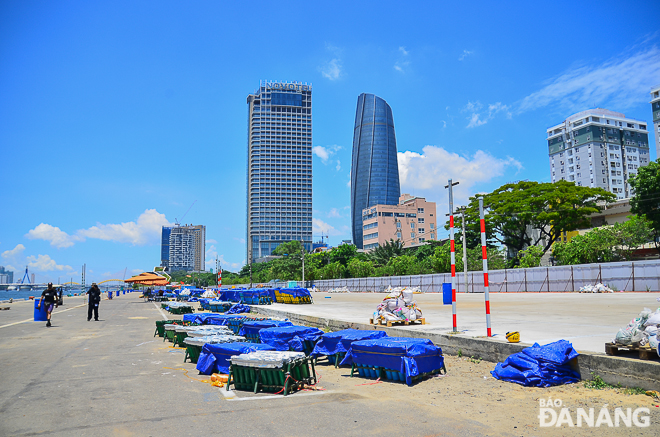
(184,248)
(655,106)
(598,148)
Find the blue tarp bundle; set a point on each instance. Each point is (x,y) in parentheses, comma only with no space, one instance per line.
(290,338)
(213,318)
(238,308)
(215,357)
(295,292)
(540,366)
(189,317)
(253,328)
(410,356)
(340,342)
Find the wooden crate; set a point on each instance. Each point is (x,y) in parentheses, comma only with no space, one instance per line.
(390,323)
(645,352)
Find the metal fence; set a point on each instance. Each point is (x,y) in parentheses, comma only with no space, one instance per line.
(622,276)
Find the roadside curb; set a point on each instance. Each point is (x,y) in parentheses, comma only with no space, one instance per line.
(628,372)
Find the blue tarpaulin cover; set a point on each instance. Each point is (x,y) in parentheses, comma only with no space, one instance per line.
(238,308)
(296,292)
(410,356)
(213,318)
(340,341)
(540,366)
(253,328)
(189,317)
(232,295)
(215,357)
(289,337)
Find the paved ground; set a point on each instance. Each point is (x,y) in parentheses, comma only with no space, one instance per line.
(588,320)
(113,377)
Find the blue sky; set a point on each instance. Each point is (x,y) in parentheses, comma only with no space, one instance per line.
(116,116)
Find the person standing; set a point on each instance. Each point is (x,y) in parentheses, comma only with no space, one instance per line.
(48,298)
(94,294)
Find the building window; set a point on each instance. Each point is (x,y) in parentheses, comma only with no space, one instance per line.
(420,220)
(412,235)
(398,235)
(412,225)
(420,210)
(398,225)
(432,225)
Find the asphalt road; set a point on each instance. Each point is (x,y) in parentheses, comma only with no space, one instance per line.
(113,377)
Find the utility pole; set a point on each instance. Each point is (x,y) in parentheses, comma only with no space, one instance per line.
(452,250)
(303,265)
(462,209)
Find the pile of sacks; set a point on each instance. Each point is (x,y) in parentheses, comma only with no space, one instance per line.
(398,305)
(641,330)
(598,288)
(339,290)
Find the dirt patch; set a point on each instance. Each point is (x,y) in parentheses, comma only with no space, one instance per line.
(468,392)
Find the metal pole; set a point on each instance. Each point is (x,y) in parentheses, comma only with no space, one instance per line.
(453,254)
(303,262)
(484,256)
(464,250)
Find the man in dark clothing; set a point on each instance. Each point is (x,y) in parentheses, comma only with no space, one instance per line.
(48,298)
(94,298)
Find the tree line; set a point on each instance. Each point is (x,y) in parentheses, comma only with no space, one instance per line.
(528,218)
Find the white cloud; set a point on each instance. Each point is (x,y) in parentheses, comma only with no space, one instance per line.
(240,240)
(333,68)
(13,253)
(621,82)
(465,54)
(54,235)
(211,241)
(334,212)
(338,166)
(319,226)
(427,174)
(325,153)
(321,152)
(44,263)
(147,229)
(402,63)
(481,115)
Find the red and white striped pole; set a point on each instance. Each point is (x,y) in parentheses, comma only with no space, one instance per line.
(452,253)
(484,256)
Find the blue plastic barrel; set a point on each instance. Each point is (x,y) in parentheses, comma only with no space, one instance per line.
(117,293)
(109,294)
(446,293)
(123,292)
(40,315)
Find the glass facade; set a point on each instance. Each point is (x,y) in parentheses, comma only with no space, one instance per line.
(374,168)
(279,174)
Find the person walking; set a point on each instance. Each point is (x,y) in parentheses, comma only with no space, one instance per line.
(48,298)
(93,302)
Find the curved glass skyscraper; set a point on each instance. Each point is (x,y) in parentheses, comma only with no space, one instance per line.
(374,168)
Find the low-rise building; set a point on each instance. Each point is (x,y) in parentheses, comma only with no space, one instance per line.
(412,221)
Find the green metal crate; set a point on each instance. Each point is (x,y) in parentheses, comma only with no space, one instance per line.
(160,326)
(192,351)
(293,376)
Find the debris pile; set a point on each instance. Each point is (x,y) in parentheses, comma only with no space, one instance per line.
(398,306)
(339,290)
(641,330)
(598,288)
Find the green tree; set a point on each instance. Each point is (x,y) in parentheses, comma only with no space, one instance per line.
(288,248)
(646,200)
(381,255)
(360,269)
(342,254)
(530,257)
(333,270)
(605,244)
(550,208)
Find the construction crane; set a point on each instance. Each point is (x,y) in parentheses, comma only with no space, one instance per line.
(184,214)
